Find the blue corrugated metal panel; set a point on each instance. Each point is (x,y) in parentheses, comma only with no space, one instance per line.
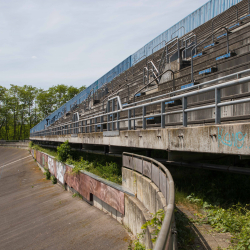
(192,21)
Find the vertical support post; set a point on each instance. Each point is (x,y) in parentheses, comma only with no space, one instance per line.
(134,114)
(186,49)
(178,47)
(147,74)
(90,127)
(192,68)
(128,92)
(95,125)
(167,53)
(85,126)
(195,50)
(118,117)
(108,116)
(184,106)
(129,119)
(217,109)
(162,115)
(113,109)
(227,42)
(101,123)
(143,117)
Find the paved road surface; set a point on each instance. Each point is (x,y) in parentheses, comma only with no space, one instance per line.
(35,214)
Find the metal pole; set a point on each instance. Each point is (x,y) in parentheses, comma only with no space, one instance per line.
(108,116)
(113,109)
(186,49)
(143,117)
(217,109)
(184,106)
(101,123)
(192,68)
(162,116)
(134,114)
(129,120)
(195,51)
(227,42)
(178,46)
(90,127)
(118,117)
(95,125)
(167,52)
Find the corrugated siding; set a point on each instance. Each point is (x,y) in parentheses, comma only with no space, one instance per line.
(192,21)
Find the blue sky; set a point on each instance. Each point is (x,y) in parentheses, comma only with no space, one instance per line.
(49,42)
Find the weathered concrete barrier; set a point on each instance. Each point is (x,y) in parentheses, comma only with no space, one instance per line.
(153,186)
(147,187)
(15,144)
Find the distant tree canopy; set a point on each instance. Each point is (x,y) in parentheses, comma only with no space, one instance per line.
(23,107)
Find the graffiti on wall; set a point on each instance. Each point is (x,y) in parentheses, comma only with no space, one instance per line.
(60,169)
(51,165)
(231,139)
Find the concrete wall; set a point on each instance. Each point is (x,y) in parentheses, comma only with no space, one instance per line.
(222,139)
(20,144)
(87,186)
(132,211)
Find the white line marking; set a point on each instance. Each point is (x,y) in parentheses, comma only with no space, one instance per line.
(15,161)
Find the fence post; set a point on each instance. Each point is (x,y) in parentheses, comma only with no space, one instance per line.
(162,115)
(184,106)
(129,119)
(113,109)
(118,117)
(108,116)
(217,109)
(143,117)
(90,127)
(101,123)
(95,125)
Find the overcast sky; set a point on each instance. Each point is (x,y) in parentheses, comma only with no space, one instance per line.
(75,42)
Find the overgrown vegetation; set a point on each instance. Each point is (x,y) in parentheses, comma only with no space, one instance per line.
(47,174)
(106,167)
(235,220)
(54,180)
(220,200)
(63,151)
(155,224)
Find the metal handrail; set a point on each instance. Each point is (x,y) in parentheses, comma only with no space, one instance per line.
(178,30)
(237,17)
(184,109)
(167,227)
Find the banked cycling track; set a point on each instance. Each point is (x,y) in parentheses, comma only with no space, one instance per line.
(35,214)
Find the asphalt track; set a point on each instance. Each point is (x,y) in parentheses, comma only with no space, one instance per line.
(35,214)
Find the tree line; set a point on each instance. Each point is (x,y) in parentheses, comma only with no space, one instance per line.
(22,107)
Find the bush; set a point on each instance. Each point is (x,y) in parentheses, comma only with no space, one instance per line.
(31,144)
(54,180)
(47,174)
(63,151)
